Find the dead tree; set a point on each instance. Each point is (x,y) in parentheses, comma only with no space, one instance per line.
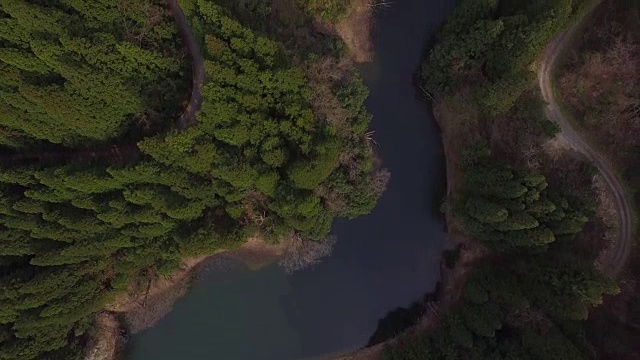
(380,4)
(304,253)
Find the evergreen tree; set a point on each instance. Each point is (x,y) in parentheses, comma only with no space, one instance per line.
(78,226)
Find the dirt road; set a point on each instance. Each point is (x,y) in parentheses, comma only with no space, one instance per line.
(188,117)
(622,246)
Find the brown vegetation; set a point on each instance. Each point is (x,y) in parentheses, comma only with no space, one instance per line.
(459,125)
(152,17)
(104,337)
(323,74)
(302,253)
(381,179)
(614,327)
(457,120)
(355,31)
(601,83)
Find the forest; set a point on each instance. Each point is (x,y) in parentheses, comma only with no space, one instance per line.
(534,211)
(102,186)
(600,89)
(529,298)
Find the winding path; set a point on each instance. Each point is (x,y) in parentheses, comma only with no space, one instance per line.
(622,246)
(188,117)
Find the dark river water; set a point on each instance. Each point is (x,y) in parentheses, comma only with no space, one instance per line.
(387,259)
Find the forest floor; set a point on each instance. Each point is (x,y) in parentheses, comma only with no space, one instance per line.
(596,86)
(355,31)
(622,247)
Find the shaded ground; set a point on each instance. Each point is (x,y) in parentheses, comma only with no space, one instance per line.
(188,118)
(622,247)
(454,278)
(105,337)
(355,31)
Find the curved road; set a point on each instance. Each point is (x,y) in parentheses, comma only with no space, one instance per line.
(622,246)
(188,117)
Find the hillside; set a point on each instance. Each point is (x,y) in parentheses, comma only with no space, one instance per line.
(105,184)
(529,217)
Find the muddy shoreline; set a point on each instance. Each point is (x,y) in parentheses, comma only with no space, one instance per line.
(143,306)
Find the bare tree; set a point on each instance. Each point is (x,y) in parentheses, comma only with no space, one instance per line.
(304,253)
(377,4)
(368,137)
(381,180)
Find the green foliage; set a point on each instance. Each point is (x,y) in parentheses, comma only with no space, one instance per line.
(329,10)
(475,293)
(523,306)
(74,73)
(543,295)
(309,173)
(509,209)
(257,131)
(565,288)
(528,299)
(75,231)
(492,44)
(531,109)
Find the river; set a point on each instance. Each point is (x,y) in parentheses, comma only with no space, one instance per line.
(381,261)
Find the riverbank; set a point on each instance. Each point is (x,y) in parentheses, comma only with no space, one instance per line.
(355,31)
(466,251)
(462,247)
(495,124)
(421,220)
(145,304)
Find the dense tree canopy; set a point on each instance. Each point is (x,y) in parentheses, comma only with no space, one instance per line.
(328,10)
(491,44)
(509,209)
(527,299)
(262,160)
(259,139)
(74,72)
(524,309)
